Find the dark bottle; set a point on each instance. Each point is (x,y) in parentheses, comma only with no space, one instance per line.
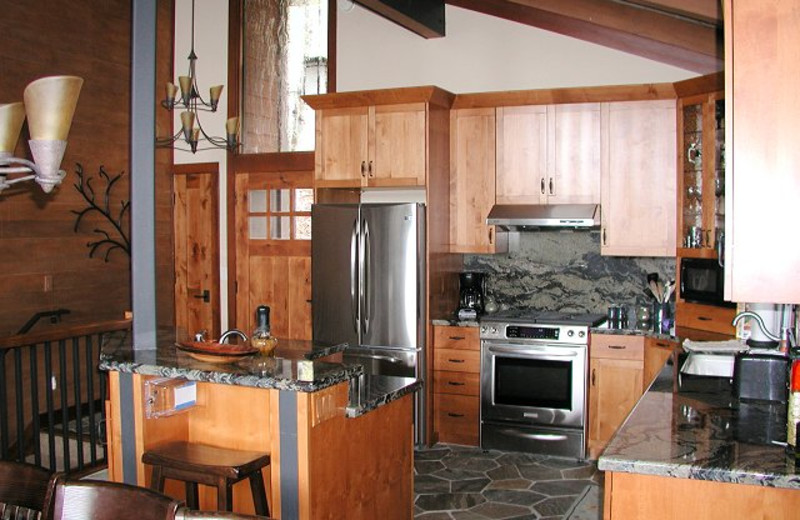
(262,338)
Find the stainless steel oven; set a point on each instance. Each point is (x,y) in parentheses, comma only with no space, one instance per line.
(534,370)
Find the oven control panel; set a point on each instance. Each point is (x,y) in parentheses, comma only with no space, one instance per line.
(547,333)
(516,331)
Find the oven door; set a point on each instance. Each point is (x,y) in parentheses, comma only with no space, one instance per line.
(534,384)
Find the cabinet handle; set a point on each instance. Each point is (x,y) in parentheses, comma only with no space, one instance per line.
(617,347)
(456,360)
(703,318)
(491,236)
(458,338)
(542,185)
(604,236)
(659,344)
(593,376)
(369,169)
(451,414)
(551,186)
(363,168)
(455,383)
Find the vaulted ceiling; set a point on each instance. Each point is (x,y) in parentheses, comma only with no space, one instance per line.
(683,33)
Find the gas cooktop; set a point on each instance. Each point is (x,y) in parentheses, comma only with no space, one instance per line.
(535,317)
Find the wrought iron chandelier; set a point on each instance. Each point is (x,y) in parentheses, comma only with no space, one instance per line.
(49,104)
(192,132)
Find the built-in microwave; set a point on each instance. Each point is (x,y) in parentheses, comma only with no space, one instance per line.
(703,281)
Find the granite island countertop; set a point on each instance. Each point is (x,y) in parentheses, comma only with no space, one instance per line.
(697,429)
(278,371)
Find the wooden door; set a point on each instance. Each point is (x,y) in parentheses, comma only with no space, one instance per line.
(273,250)
(397,145)
(762,186)
(522,155)
(342,140)
(472,181)
(575,151)
(615,387)
(638,179)
(196,223)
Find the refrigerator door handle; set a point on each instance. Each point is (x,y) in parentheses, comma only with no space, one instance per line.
(354,274)
(366,259)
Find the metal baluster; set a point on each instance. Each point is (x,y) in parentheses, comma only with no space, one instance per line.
(3,409)
(20,404)
(76,374)
(62,369)
(90,368)
(37,449)
(51,419)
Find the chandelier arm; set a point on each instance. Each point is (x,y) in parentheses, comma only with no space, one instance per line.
(25,166)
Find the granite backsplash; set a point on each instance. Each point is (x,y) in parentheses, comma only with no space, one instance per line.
(564,271)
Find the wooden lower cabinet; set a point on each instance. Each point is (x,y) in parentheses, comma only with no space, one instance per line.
(456,384)
(656,353)
(615,385)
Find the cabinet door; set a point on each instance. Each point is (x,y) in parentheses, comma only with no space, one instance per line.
(522,155)
(341,155)
(656,353)
(472,178)
(615,387)
(397,145)
(575,148)
(638,180)
(763,185)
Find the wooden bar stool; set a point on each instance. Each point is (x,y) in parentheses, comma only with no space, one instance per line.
(200,464)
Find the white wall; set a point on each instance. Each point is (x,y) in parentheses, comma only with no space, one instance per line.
(479,53)
(211,48)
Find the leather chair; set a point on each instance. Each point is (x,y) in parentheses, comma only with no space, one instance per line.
(100,500)
(25,490)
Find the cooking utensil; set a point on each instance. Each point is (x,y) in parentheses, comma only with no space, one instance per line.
(670,288)
(652,281)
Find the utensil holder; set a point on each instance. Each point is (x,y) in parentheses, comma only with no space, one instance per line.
(662,318)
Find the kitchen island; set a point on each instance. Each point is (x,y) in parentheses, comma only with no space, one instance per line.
(692,450)
(341,443)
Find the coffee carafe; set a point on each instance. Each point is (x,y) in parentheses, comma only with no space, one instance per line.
(471,295)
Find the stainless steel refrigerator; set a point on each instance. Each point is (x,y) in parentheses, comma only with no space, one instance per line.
(368,287)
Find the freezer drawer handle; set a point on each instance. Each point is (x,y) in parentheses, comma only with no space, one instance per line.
(381,358)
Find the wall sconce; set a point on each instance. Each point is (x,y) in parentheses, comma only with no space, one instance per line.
(49,104)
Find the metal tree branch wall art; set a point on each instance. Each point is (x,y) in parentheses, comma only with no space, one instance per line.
(107,242)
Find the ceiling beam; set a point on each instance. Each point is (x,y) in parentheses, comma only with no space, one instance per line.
(424,17)
(695,46)
(707,11)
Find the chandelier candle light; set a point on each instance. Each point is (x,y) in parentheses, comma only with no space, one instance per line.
(190,100)
(50,104)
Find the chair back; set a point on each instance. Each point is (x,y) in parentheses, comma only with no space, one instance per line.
(100,500)
(25,490)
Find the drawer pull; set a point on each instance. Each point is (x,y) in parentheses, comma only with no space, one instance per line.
(455,383)
(451,414)
(617,347)
(457,338)
(456,360)
(703,318)
(659,344)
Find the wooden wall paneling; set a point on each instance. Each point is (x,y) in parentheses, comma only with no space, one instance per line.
(299,303)
(239,278)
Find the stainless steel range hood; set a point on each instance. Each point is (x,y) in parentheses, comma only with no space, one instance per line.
(522,217)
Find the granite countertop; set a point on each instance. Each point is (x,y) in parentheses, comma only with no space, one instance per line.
(697,429)
(279,371)
(633,332)
(442,322)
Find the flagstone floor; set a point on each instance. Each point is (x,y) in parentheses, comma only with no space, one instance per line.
(466,483)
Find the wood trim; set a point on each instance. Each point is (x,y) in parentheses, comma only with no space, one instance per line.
(700,85)
(234,104)
(275,454)
(272,162)
(389,96)
(68,332)
(332,20)
(114,429)
(190,168)
(645,91)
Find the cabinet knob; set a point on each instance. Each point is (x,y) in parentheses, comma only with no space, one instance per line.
(363,168)
(542,185)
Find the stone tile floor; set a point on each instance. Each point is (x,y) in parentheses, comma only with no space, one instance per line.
(466,483)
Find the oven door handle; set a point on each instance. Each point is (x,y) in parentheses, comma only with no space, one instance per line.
(534,350)
(535,436)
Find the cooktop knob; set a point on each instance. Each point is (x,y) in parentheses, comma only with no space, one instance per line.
(581,334)
(483,330)
(570,333)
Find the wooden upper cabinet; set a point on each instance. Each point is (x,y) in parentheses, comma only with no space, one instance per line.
(472,181)
(762,181)
(548,154)
(638,178)
(397,145)
(342,136)
(522,155)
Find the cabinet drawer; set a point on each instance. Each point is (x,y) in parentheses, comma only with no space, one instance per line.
(460,338)
(463,383)
(705,317)
(616,347)
(457,418)
(457,360)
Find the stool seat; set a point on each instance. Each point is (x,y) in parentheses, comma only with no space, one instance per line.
(210,465)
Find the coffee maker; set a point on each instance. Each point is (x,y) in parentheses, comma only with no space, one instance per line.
(471,295)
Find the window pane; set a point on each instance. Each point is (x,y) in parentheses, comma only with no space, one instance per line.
(284,56)
(279,228)
(258,228)
(303,198)
(257,200)
(279,201)
(302,228)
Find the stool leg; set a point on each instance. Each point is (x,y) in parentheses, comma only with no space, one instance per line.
(157,479)
(191,495)
(224,494)
(259,494)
